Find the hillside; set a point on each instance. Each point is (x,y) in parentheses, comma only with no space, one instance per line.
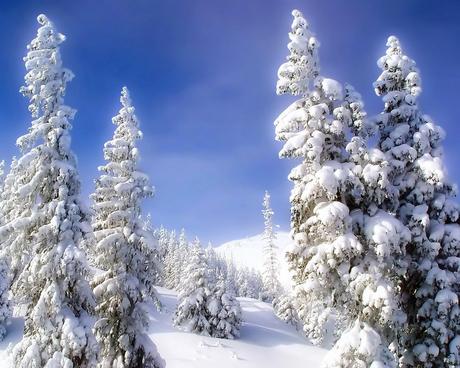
(249,252)
(265,341)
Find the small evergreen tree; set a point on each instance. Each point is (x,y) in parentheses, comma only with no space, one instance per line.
(212,261)
(231,276)
(270,274)
(248,283)
(191,312)
(181,259)
(225,312)
(285,310)
(171,262)
(124,289)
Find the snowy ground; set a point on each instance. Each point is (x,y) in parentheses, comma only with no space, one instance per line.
(249,252)
(265,341)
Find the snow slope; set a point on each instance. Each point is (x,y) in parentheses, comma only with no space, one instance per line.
(265,341)
(249,252)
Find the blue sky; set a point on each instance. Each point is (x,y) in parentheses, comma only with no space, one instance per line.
(202,76)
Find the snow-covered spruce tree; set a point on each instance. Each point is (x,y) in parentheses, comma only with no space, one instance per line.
(224,311)
(2,173)
(301,66)
(349,255)
(412,142)
(212,261)
(5,277)
(270,275)
(284,308)
(176,260)
(191,312)
(10,210)
(373,312)
(171,261)
(45,224)
(167,244)
(312,131)
(248,283)
(231,275)
(161,234)
(5,303)
(154,255)
(123,290)
(181,259)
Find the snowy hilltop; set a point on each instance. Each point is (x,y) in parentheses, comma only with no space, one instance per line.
(249,252)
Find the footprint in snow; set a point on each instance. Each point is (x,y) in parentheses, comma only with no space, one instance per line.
(218,344)
(235,356)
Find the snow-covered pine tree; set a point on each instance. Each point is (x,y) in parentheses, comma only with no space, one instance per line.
(45,224)
(313,131)
(12,241)
(372,312)
(349,255)
(285,310)
(153,256)
(413,144)
(167,244)
(248,283)
(162,236)
(270,275)
(301,67)
(123,290)
(2,173)
(5,277)
(230,275)
(212,262)
(191,312)
(181,260)
(224,311)
(171,261)
(5,303)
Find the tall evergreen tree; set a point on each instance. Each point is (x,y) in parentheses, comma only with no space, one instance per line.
(312,130)
(413,145)
(45,223)
(349,252)
(124,289)
(270,274)
(373,311)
